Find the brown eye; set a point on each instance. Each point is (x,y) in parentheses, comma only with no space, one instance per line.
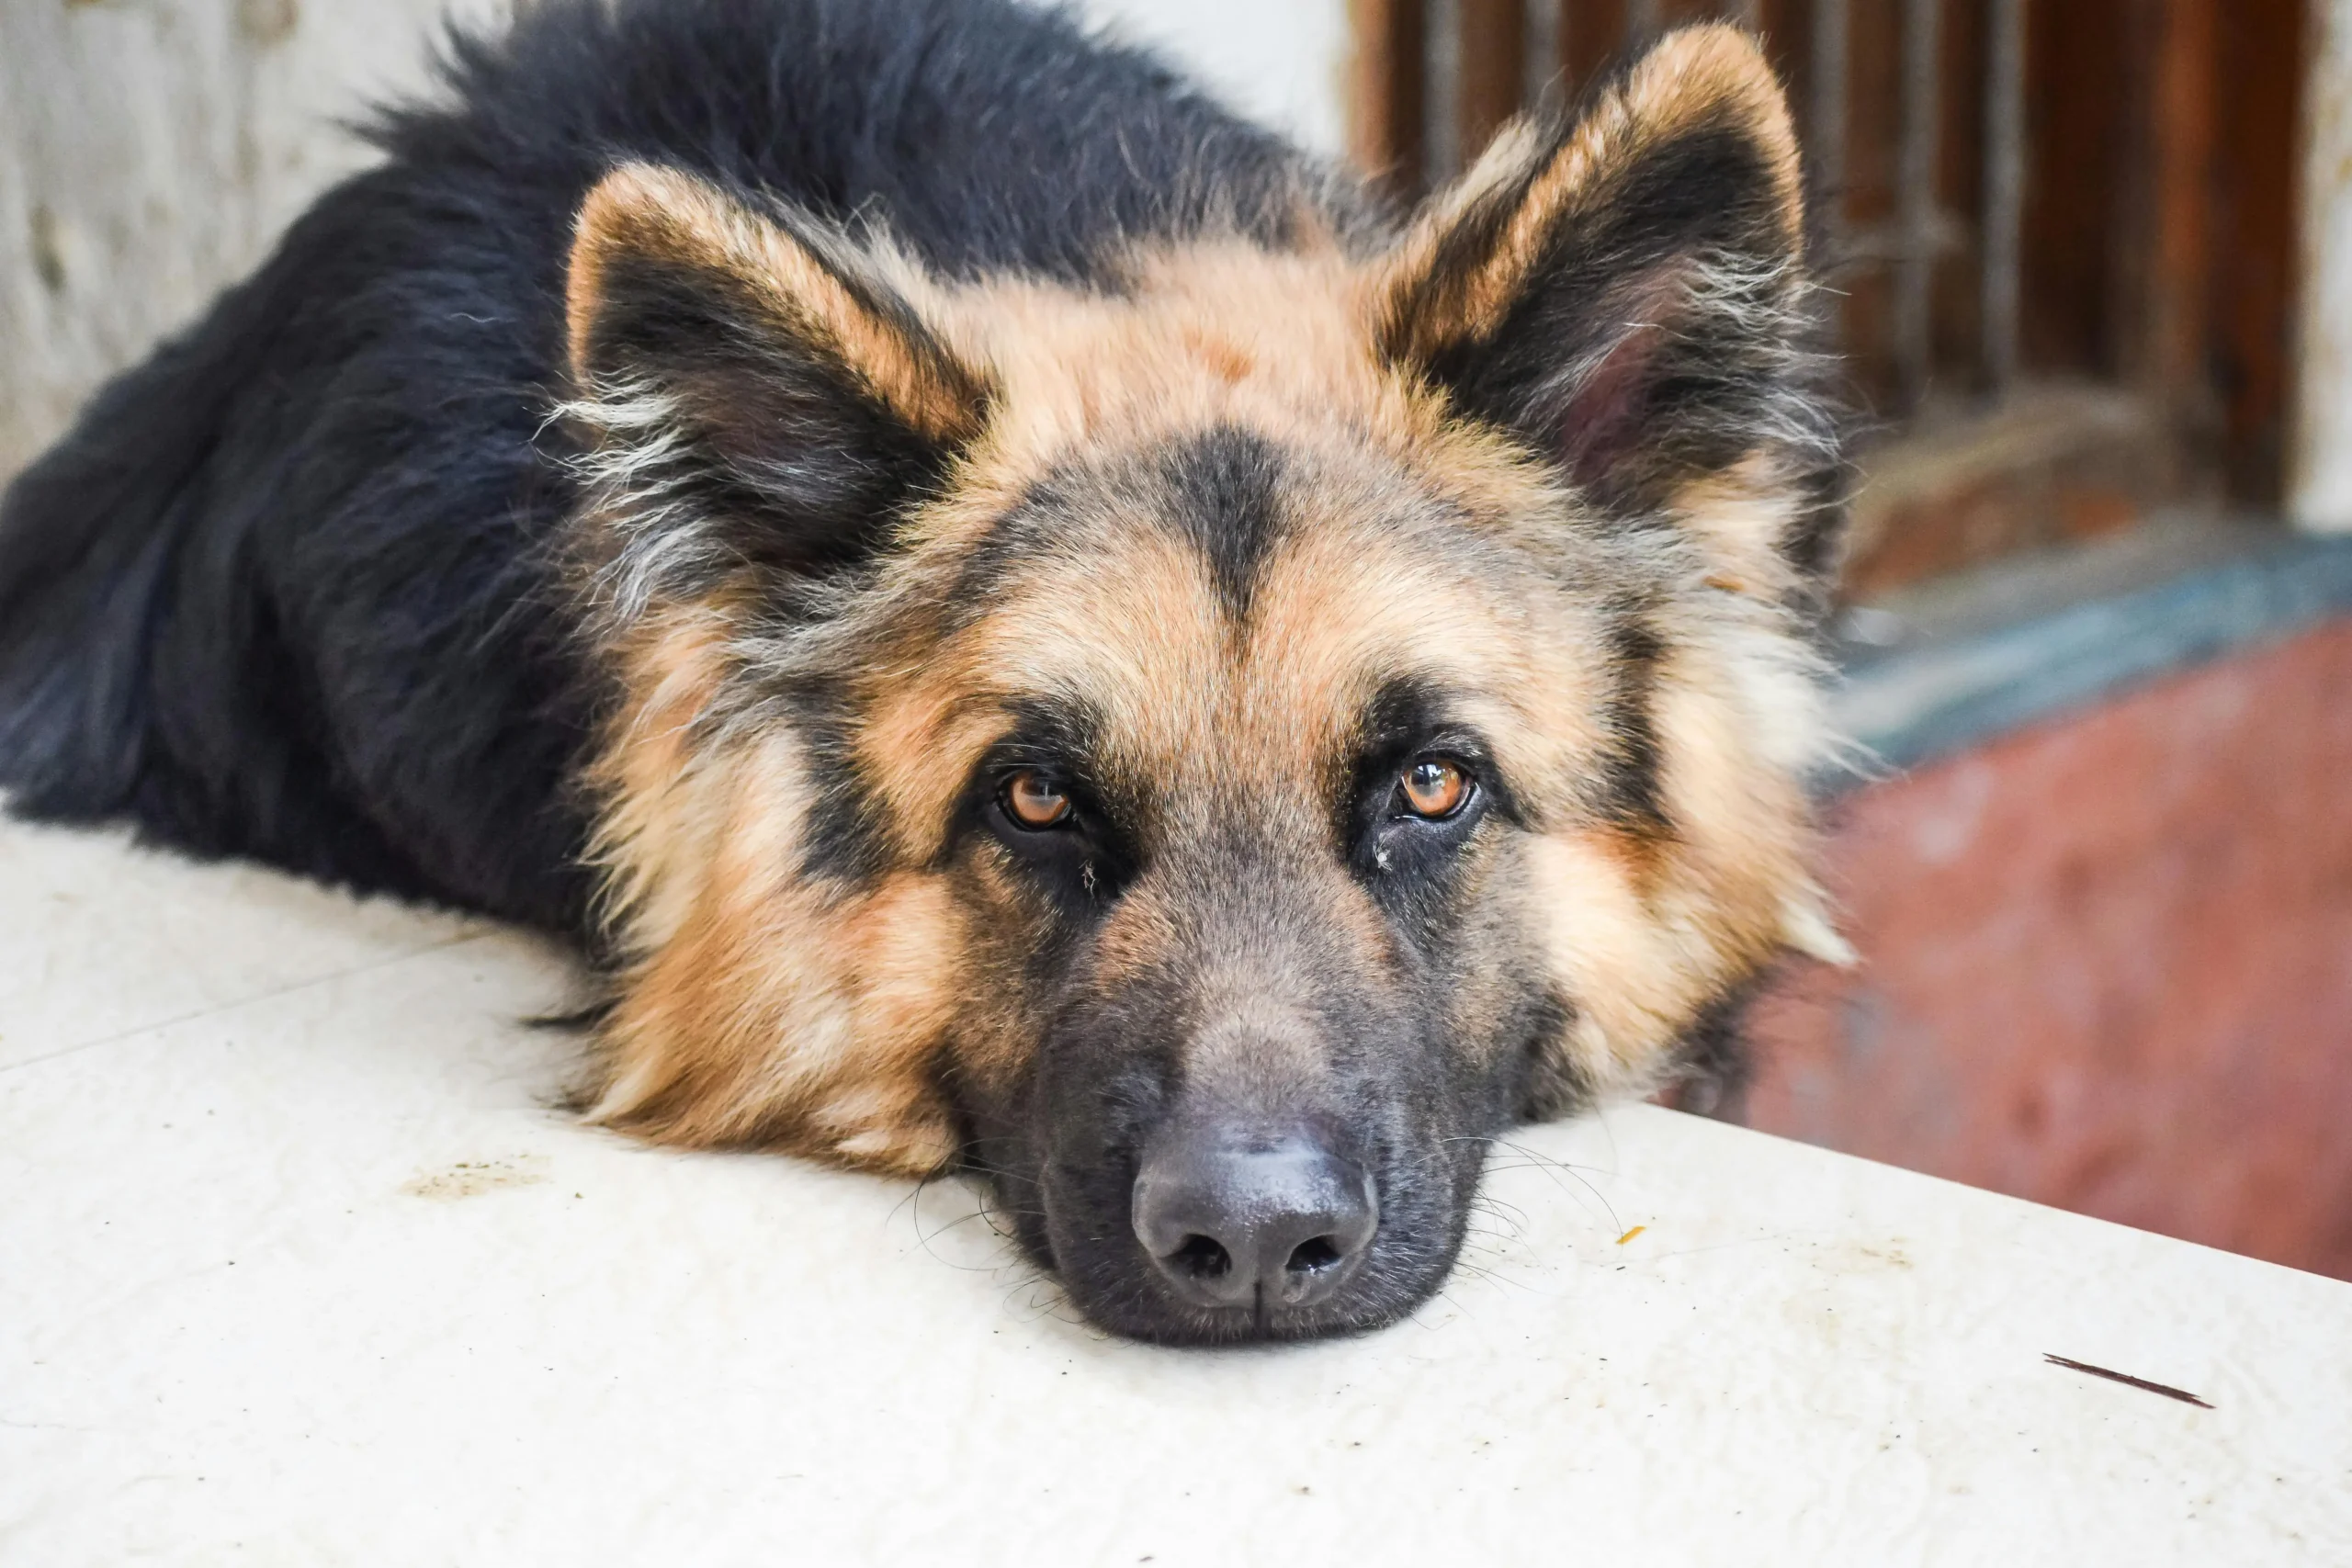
(1033,800)
(1435,788)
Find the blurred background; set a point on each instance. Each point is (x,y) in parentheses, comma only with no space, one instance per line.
(2092,275)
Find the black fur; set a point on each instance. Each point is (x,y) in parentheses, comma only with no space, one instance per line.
(1695,396)
(286,591)
(846,839)
(1630,775)
(1225,485)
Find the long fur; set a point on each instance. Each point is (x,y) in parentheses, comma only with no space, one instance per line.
(731,451)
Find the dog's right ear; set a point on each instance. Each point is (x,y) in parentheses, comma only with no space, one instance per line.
(757,389)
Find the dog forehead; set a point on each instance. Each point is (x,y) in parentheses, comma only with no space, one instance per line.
(1224,597)
(1198,333)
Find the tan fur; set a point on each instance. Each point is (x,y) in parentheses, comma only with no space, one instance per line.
(776,1014)
(662,823)
(643,210)
(1220,332)
(1641,942)
(762,1006)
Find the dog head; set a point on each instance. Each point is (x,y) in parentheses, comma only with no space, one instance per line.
(1208,751)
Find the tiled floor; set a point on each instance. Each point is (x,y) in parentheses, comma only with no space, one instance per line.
(297,1265)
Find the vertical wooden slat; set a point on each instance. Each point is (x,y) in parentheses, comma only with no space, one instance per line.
(1386,101)
(1441,147)
(1492,73)
(1962,68)
(2004,207)
(2078,89)
(1827,112)
(2179,182)
(1916,200)
(1543,49)
(1591,33)
(2263,68)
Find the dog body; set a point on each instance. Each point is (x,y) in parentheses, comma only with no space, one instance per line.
(1024,622)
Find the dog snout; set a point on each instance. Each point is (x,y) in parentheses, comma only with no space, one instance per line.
(1246,1218)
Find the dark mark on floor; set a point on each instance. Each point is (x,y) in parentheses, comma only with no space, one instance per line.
(2168,1391)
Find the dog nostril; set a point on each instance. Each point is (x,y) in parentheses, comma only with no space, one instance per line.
(1237,1218)
(1202,1257)
(1312,1257)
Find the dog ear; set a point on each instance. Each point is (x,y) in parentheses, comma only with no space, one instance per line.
(757,389)
(1624,288)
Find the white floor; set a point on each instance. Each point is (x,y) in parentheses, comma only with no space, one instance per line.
(298,1267)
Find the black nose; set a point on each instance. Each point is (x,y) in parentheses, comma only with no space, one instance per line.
(1236,1218)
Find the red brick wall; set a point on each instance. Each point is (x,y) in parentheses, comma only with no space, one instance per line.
(2107,964)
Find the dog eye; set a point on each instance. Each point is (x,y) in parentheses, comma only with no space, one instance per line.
(1034,801)
(1434,787)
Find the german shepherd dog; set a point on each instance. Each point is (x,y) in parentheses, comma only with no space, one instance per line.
(1027,625)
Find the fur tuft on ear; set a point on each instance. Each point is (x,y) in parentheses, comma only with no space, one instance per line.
(757,387)
(1624,290)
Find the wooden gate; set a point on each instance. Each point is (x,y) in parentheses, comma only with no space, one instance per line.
(2061,233)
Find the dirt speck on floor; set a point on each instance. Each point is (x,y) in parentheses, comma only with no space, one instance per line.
(469,1178)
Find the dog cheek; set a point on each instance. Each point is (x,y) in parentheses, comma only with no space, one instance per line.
(1004,979)
(785,1014)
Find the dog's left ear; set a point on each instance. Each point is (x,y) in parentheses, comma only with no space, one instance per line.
(1623,290)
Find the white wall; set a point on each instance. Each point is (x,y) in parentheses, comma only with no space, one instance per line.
(150,151)
(1281,62)
(2320,458)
